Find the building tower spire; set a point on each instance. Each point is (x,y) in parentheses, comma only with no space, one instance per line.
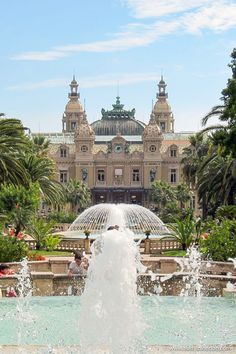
(162,110)
(73,114)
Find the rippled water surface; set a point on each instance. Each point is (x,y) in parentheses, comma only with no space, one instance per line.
(173,321)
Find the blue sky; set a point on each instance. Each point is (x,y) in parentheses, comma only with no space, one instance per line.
(106,42)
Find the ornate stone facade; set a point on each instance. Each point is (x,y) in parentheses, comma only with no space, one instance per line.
(118,156)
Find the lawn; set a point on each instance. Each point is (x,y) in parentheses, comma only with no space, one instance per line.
(174,253)
(51,253)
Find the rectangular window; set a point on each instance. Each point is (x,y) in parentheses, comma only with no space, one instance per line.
(63,152)
(63,176)
(136,176)
(73,125)
(101,175)
(173,153)
(118,172)
(163,126)
(173,175)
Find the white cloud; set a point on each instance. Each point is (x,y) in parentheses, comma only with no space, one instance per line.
(193,16)
(216,17)
(40,56)
(90,82)
(157,8)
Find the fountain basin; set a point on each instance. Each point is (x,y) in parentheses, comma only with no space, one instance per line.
(173,322)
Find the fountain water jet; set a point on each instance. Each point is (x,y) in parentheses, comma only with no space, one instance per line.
(110,314)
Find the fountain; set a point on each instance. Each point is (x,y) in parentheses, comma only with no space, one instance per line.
(110,318)
(97,218)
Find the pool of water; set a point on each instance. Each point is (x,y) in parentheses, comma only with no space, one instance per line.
(173,321)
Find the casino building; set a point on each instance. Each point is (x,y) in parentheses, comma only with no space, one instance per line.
(118,156)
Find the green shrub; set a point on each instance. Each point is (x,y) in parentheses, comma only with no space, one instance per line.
(51,242)
(220,245)
(12,248)
(226,212)
(62,217)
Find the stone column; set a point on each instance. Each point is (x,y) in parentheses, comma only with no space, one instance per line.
(87,245)
(147,245)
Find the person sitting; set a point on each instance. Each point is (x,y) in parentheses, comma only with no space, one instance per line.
(5,270)
(79,266)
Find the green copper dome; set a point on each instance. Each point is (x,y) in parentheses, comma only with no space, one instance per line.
(118,121)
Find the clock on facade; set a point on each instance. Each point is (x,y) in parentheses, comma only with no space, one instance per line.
(118,148)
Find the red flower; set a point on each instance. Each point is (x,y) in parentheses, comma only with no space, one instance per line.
(17,205)
(20,235)
(11,232)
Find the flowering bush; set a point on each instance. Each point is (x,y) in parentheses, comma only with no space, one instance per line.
(219,244)
(36,257)
(13,248)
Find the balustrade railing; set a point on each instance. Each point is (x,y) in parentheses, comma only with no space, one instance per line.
(157,246)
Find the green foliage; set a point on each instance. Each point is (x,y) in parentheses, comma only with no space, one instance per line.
(170,212)
(19,204)
(62,217)
(51,242)
(13,142)
(221,242)
(12,249)
(78,194)
(40,231)
(183,230)
(162,193)
(41,169)
(226,212)
(170,200)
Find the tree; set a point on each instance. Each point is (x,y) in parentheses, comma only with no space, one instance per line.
(193,155)
(78,194)
(41,231)
(220,245)
(182,194)
(217,181)
(12,143)
(19,204)
(162,193)
(224,135)
(40,145)
(42,170)
(183,230)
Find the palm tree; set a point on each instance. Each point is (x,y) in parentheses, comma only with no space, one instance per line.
(40,230)
(193,156)
(12,143)
(182,194)
(42,171)
(162,193)
(224,135)
(183,230)
(78,194)
(40,145)
(217,180)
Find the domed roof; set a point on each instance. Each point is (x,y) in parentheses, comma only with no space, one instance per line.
(123,127)
(84,129)
(74,106)
(118,121)
(162,106)
(152,129)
